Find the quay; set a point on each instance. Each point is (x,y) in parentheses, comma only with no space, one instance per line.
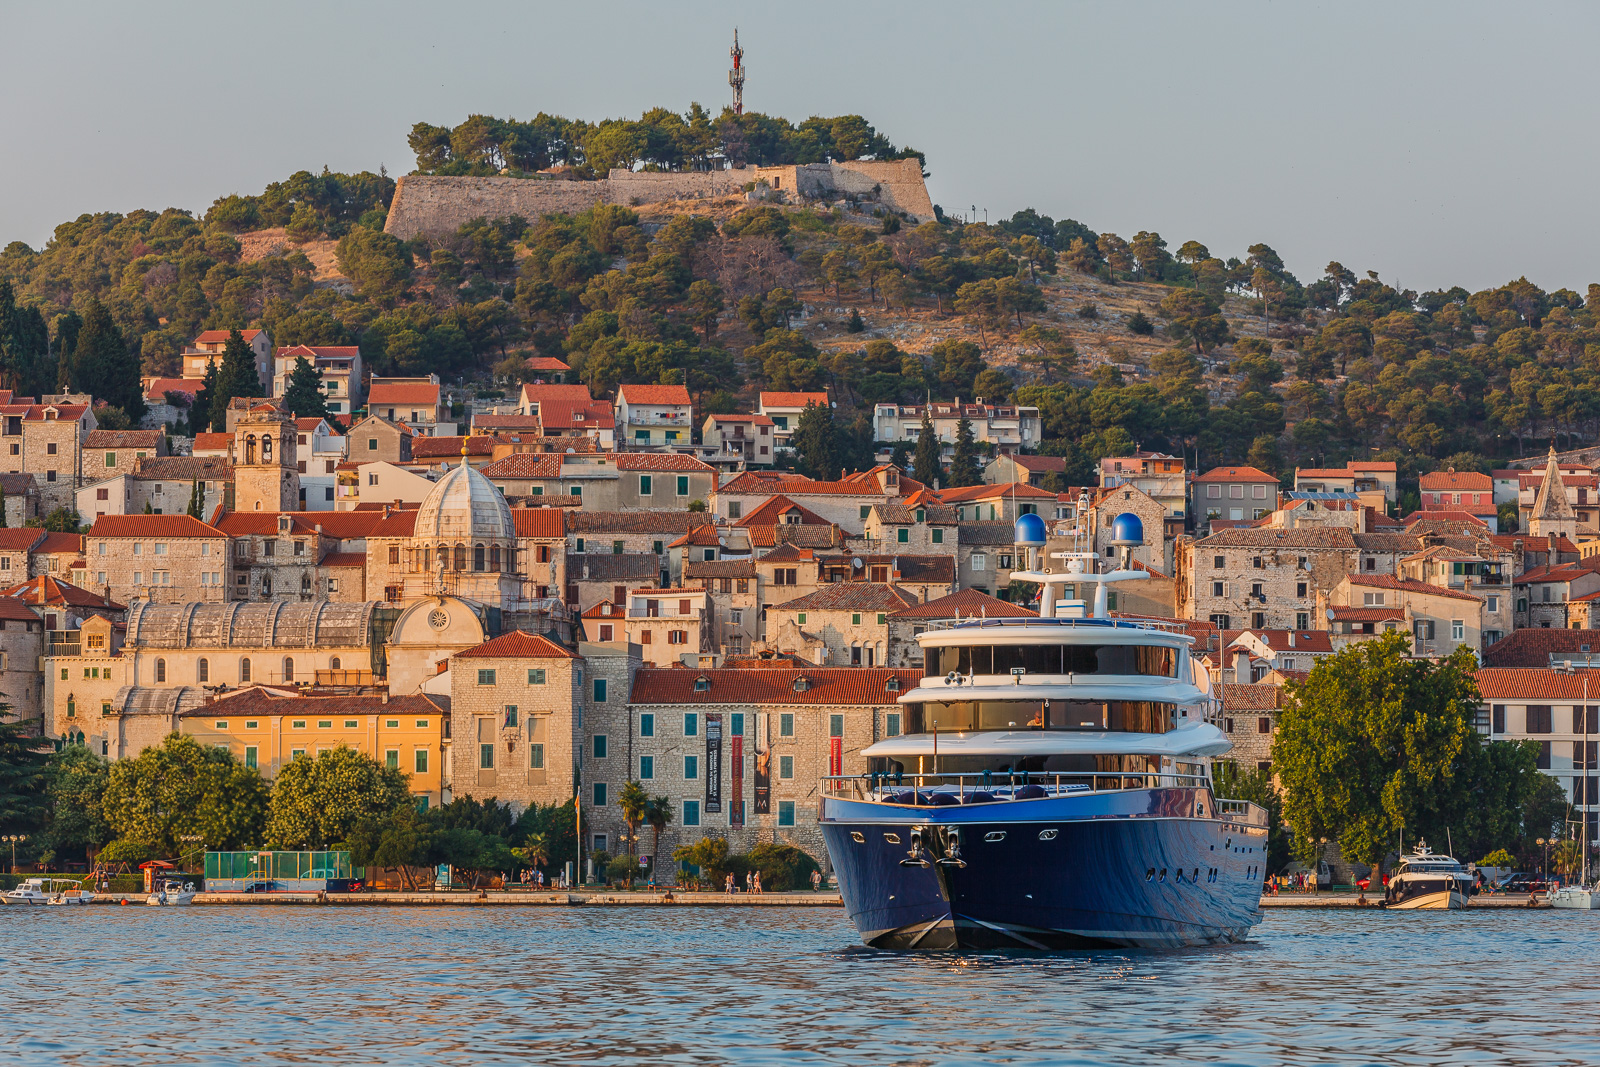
(1375,900)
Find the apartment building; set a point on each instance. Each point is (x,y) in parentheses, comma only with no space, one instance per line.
(1233,494)
(746,439)
(1439,619)
(339,367)
(1261,579)
(785,409)
(1159,476)
(1555,706)
(1010,428)
(654,416)
(1468,491)
(209,346)
(1376,482)
(417,403)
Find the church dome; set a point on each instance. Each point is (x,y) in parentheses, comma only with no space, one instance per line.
(464,506)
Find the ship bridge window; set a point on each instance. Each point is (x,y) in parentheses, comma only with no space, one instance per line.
(1122,716)
(1158,661)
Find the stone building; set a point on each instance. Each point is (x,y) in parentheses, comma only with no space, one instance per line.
(654,416)
(1261,579)
(1440,619)
(740,753)
(516,709)
(595,578)
(1552,513)
(164,484)
(846,502)
(112,452)
(1007,427)
(210,345)
(630,533)
(1544,596)
(21,498)
(16,552)
(666,623)
(735,601)
(852,619)
(905,624)
(606,481)
(174,559)
(1249,719)
(1547,707)
(268,728)
(985,556)
(65,607)
(46,440)
(377,440)
(922,528)
(22,642)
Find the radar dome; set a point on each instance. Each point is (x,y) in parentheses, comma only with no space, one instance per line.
(1030,531)
(1127,529)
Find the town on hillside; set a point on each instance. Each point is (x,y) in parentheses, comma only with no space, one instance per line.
(540,600)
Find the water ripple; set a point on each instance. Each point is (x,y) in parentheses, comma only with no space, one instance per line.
(755,986)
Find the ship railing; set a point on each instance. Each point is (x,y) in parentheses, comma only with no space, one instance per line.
(940,790)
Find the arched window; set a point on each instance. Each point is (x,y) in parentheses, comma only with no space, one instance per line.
(288,669)
(161,670)
(250,449)
(477,557)
(266,448)
(203,670)
(427,559)
(305,583)
(334,663)
(244,669)
(494,557)
(461,557)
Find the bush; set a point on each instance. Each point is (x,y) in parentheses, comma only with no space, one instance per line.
(1141,325)
(782,867)
(623,870)
(1089,311)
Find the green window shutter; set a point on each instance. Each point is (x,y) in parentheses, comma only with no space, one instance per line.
(683,485)
(903,535)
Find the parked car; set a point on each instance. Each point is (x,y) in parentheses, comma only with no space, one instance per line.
(265,885)
(1524,883)
(345,885)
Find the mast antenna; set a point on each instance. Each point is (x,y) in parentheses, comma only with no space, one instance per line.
(736,75)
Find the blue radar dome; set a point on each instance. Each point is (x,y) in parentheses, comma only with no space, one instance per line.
(1030,531)
(1127,529)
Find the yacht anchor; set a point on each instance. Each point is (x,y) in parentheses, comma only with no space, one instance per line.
(915,856)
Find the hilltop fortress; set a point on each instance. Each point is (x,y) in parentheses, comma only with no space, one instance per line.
(430,206)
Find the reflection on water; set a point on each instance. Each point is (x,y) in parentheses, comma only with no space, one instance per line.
(303,985)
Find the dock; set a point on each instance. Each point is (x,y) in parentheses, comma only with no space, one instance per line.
(1375,900)
(495,898)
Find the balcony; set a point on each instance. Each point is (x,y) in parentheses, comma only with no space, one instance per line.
(677,422)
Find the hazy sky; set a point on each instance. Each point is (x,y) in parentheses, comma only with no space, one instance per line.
(1437,144)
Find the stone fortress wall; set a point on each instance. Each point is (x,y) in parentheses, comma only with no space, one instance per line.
(430,206)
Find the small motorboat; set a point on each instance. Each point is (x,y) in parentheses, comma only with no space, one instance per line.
(31,891)
(1429,881)
(49,891)
(171,893)
(74,894)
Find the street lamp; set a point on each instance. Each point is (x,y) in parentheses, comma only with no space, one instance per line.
(192,839)
(1542,843)
(14,839)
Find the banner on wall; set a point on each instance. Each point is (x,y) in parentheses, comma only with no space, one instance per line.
(736,793)
(713,764)
(763,774)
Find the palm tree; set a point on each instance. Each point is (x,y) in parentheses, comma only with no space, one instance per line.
(657,813)
(535,851)
(632,801)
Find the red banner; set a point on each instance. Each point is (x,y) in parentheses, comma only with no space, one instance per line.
(836,757)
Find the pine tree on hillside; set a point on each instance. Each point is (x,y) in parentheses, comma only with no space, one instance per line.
(22,764)
(67,327)
(237,378)
(105,366)
(200,410)
(814,439)
(964,464)
(302,394)
(10,350)
(197,502)
(925,466)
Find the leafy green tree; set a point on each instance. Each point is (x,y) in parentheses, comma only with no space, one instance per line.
(200,410)
(104,364)
(197,502)
(783,867)
(75,781)
(302,393)
(402,841)
(22,775)
(317,802)
(979,303)
(181,787)
(623,870)
(956,365)
(710,854)
(473,851)
(1256,786)
(377,262)
(993,385)
(964,464)
(788,360)
(925,467)
(1195,316)
(815,441)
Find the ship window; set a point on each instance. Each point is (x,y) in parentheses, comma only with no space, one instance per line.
(1149,660)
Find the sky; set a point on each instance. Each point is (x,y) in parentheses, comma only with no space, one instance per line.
(1437,144)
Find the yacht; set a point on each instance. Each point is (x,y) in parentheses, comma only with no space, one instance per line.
(1429,881)
(1053,786)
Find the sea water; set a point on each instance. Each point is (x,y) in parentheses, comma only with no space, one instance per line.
(529,985)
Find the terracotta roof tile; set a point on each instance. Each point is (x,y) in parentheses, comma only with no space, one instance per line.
(517,644)
(771,511)
(20,540)
(1313,641)
(122,439)
(60,544)
(1253,697)
(1538,682)
(1236,474)
(822,685)
(969,493)
(1456,481)
(661,461)
(542,465)
(721,568)
(662,522)
(213,442)
(184,469)
(793,400)
(1532,647)
(402,393)
(13,609)
(1367,614)
(1406,585)
(665,395)
(326,351)
(259,700)
(47,590)
(344,559)
(207,337)
(1040,464)
(966,604)
(547,523)
(156,389)
(851,596)
(435,447)
(152,526)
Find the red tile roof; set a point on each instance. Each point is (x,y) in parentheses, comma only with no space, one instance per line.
(770,513)
(1537,683)
(344,559)
(539,522)
(1453,513)
(1041,463)
(207,337)
(1278,640)
(1253,697)
(768,483)
(662,461)
(1236,474)
(60,544)
(793,400)
(156,389)
(546,363)
(152,526)
(1366,614)
(517,644)
(507,422)
(663,395)
(524,465)
(396,524)
(312,351)
(851,596)
(754,420)
(996,491)
(213,442)
(1457,481)
(823,685)
(12,609)
(47,590)
(967,604)
(259,700)
(1406,585)
(436,447)
(403,393)
(705,535)
(21,540)
(1532,647)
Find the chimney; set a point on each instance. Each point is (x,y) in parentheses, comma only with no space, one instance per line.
(1291,638)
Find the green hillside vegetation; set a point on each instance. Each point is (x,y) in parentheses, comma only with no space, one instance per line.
(1238,360)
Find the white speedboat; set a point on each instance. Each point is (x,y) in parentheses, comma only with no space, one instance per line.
(171,893)
(48,891)
(1576,898)
(1429,881)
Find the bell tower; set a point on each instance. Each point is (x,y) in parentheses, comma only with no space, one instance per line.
(266,474)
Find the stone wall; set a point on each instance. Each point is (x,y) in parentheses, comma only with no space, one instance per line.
(430,206)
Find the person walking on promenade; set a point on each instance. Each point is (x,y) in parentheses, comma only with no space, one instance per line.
(816,881)
(756,877)
(727,884)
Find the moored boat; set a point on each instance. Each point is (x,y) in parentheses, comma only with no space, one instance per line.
(1053,786)
(170,893)
(1428,881)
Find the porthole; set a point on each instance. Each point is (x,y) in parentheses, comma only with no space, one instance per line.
(857,836)
(1196,875)
(994,835)
(893,839)
(1177,876)
(1162,877)
(1150,875)
(1048,835)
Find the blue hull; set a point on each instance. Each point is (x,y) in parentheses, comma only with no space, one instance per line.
(1133,868)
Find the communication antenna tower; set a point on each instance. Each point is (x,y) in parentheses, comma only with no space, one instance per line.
(736,75)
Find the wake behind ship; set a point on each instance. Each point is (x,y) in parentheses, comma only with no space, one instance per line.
(1053,788)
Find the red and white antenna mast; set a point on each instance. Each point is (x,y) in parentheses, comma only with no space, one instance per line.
(736,75)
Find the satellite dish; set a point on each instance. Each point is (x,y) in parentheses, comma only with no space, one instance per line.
(1330,614)
(855,562)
